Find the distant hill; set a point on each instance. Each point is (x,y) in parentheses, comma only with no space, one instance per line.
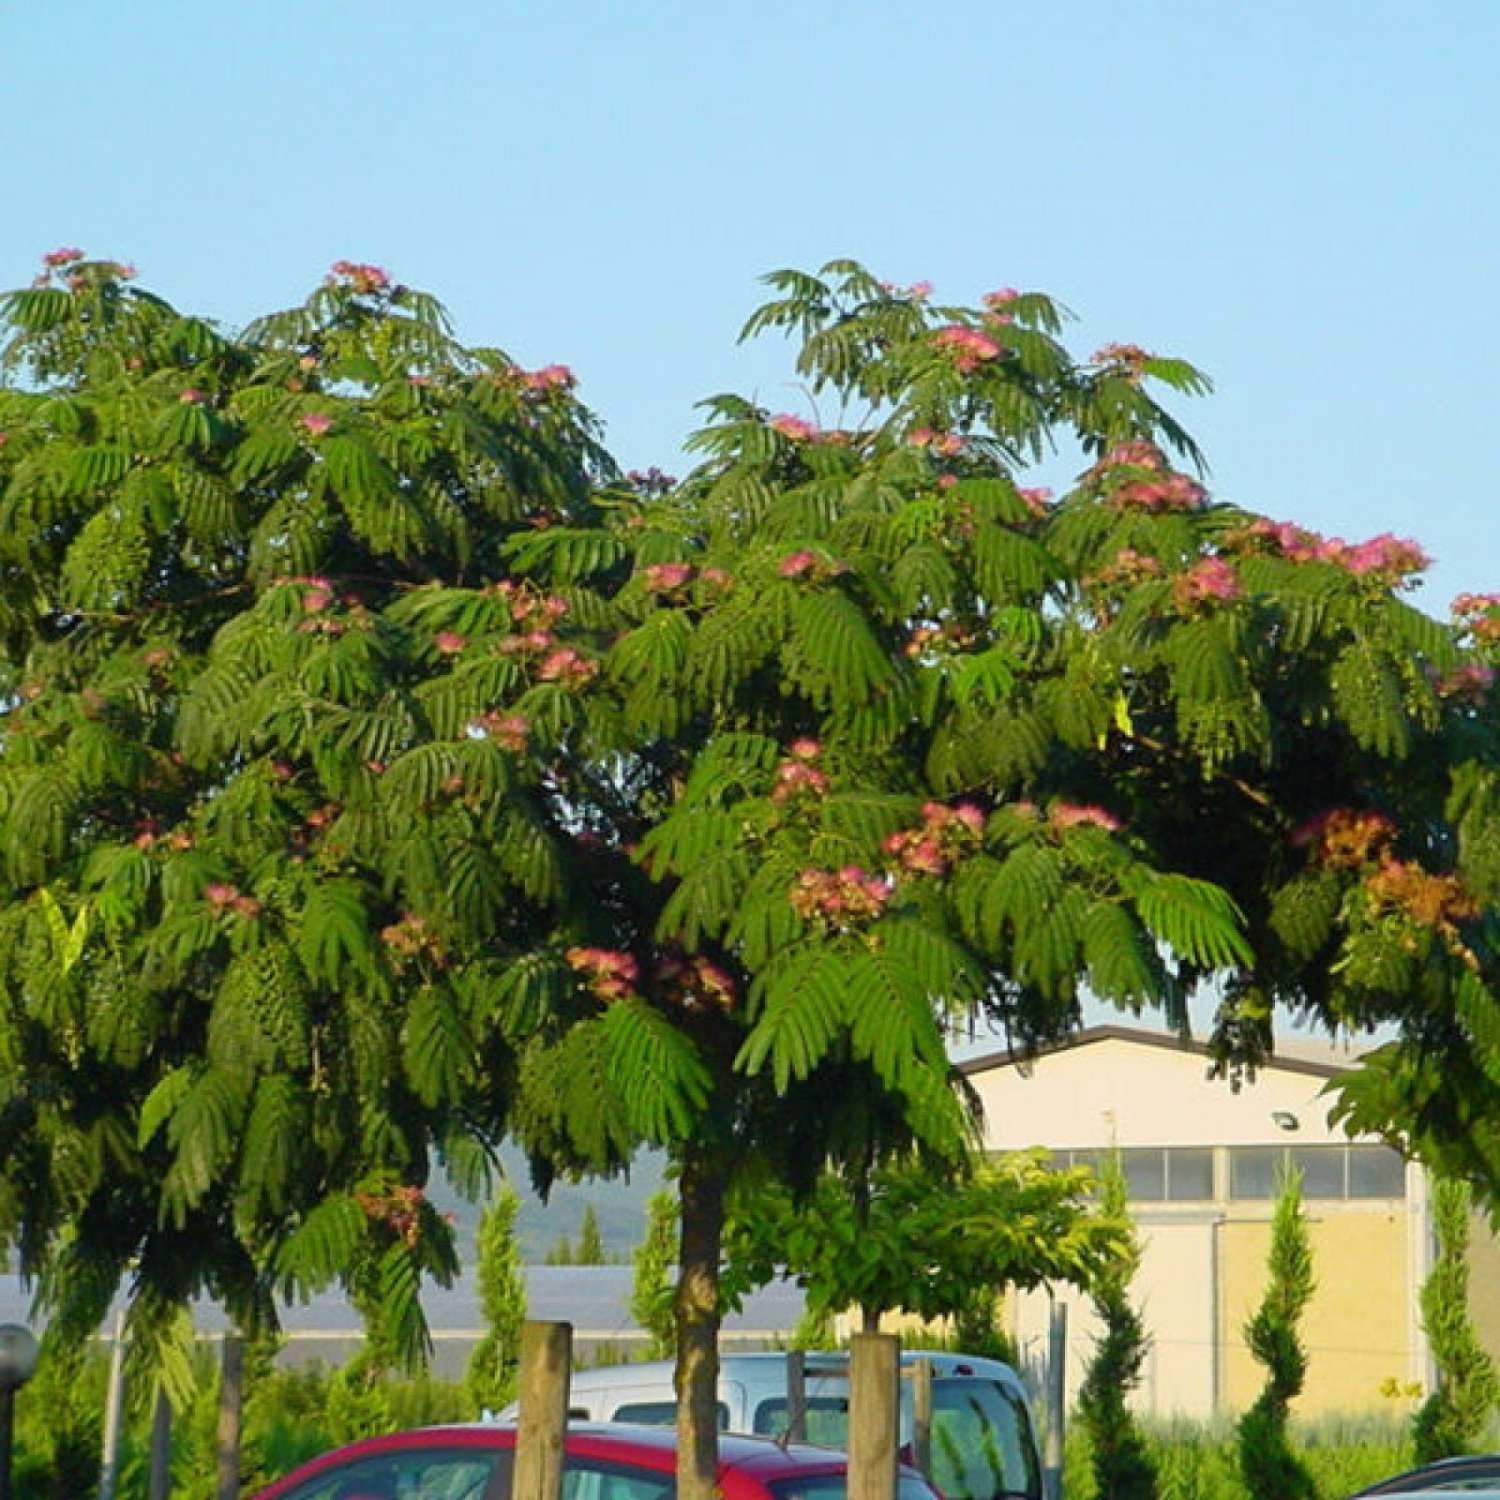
(619,1206)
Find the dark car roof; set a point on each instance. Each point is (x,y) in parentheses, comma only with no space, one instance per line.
(1470,1468)
(646,1447)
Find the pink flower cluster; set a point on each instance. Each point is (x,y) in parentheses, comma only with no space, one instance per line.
(567,666)
(947,444)
(796,428)
(1128,567)
(1158,488)
(1137,453)
(1132,356)
(64,255)
(450,642)
(316,424)
(666,578)
(1391,559)
(1211,581)
(945,832)
(1083,815)
(918,291)
(364,280)
(509,731)
(397,1208)
(805,563)
(1000,299)
(317,592)
(1036,500)
(548,379)
(534,612)
(224,898)
(610,973)
(1346,838)
(840,897)
(968,347)
(1469,683)
(1479,615)
(191,396)
(411,937)
(527,605)
(652,482)
(1388,557)
(1171,492)
(799,774)
(694,983)
(1287,539)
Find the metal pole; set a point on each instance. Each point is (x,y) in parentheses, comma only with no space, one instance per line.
(921,1435)
(1057,1396)
(114,1412)
(7,1434)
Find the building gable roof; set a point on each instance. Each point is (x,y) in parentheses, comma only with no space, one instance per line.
(1308,1055)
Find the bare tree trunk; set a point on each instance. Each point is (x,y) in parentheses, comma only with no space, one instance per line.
(231,1418)
(702,1190)
(160,1481)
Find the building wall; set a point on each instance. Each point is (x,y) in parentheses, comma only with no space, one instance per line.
(1356,1327)
(1203,1267)
(1132,1094)
(1484,1284)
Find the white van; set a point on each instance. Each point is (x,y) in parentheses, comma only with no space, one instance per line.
(982,1440)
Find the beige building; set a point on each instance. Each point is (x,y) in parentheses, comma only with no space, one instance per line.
(1202,1164)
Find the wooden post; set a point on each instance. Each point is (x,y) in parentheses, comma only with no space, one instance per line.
(921,1429)
(159,1484)
(874,1415)
(1057,1397)
(546,1374)
(231,1418)
(796,1396)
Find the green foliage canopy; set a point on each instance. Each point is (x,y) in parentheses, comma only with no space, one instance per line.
(915,1242)
(279,712)
(379,771)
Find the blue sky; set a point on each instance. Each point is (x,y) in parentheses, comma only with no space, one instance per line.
(1299,195)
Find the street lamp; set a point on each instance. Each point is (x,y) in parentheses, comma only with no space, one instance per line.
(18,1356)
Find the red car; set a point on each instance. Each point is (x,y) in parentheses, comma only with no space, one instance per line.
(603,1462)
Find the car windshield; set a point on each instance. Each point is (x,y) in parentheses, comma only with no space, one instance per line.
(982,1443)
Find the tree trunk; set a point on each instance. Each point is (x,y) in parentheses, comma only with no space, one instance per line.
(231,1418)
(697,1302)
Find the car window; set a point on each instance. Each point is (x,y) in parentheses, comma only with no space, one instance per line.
(584,1479)
(827,1419)
(660,1413)
(418,1474)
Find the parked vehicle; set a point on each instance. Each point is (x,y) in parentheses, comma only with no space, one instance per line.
(982,1442)
(475,1462)
(1476,1475)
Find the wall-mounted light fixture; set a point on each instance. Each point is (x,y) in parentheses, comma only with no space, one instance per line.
(1284,1119)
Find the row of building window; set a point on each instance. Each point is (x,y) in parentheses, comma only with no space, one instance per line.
(1193,1174)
